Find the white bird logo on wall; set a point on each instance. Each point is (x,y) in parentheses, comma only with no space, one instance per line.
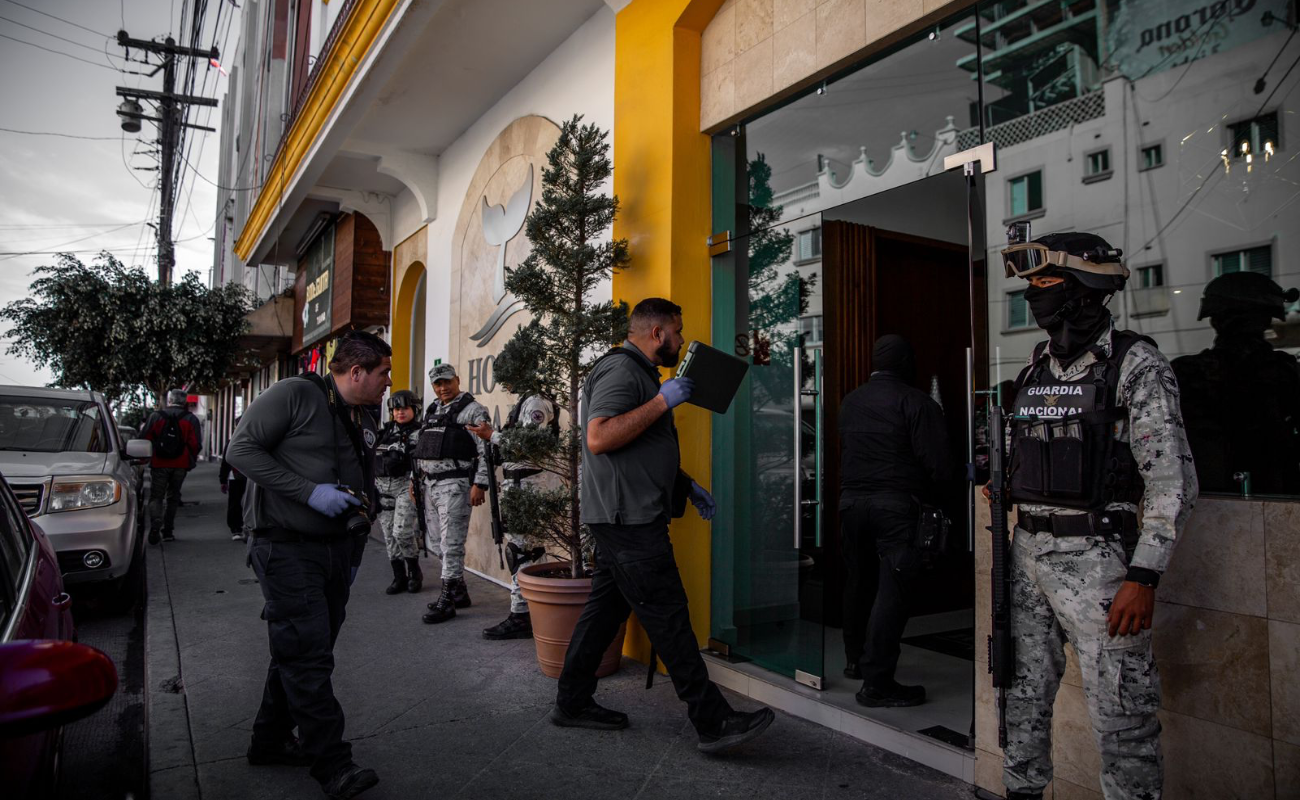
(500,225)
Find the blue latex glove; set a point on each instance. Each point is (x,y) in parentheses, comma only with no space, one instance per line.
(677,391)
(703,501)
(329,500)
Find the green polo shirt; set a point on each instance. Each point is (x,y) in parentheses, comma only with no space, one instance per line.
(632,485)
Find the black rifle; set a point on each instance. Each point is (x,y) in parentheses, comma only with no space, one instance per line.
(421,525)
(1002,650)
(494,499)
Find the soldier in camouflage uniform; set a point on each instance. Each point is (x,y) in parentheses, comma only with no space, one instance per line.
(393,480)
(532,411)
(453,475)
(1097,433)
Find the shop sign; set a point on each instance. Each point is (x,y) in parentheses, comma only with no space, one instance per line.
(1150,36)
(316,314)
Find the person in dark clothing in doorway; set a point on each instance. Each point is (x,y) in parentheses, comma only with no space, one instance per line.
(894,453)
(307,444)
(174,432)
(630,471)
(233,484)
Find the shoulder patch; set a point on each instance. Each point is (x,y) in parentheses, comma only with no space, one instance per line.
(369,436)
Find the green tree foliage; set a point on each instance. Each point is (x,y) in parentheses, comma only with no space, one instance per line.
(111,328)
(552,355)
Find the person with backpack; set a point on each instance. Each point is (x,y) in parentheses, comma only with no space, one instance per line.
(174,432)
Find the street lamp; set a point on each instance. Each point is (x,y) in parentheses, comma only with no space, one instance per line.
(130,112)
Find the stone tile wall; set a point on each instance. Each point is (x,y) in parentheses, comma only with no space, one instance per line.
(1227,639)
(755,51)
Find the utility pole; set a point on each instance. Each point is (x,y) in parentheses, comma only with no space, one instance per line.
(172,112)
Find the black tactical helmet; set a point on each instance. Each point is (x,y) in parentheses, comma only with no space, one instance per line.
(1094,250)
(1245,291)
(403,398)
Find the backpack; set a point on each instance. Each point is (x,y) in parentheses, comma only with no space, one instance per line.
(170,441)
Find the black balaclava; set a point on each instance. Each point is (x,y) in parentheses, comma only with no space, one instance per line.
(1073,315)
(893,353)
(1241,327)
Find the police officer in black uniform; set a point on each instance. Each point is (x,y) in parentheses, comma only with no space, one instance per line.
(307,445)
(1241,398)
(895,455)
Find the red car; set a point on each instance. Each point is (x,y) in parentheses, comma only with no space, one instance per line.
(46,680)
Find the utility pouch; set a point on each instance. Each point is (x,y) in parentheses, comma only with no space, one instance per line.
(931,530)
(429,445)
(1065,467)
(1030,464)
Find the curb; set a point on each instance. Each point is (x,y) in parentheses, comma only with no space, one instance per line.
(169,746)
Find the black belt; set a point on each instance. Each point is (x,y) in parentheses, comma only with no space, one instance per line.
(442,476)
(275,534)
(519,474)
(1109,524)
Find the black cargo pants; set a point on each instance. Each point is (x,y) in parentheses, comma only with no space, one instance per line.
(877,532)
(636,571)
(305,585)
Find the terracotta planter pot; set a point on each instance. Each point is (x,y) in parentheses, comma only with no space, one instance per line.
(555,605)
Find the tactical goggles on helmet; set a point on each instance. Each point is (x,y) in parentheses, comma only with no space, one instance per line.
(1032,258)
(403,401)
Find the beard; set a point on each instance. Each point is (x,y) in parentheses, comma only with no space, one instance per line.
(668,355)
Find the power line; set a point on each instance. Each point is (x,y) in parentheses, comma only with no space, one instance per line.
(55,248)
(58,52)
(51,35)
(61,135)
(61,19)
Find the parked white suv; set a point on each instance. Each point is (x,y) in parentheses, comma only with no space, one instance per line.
(66,461)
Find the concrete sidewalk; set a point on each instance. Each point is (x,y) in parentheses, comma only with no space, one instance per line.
(438,711)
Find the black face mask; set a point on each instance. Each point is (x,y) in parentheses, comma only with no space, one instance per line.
(1246,326)
(1072,314)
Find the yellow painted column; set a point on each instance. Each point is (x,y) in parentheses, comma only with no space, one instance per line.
(662,178)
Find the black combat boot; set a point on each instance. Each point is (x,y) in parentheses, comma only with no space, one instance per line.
(417,577)
(515,626)
(893,695)
(442,610)
(459,593)
(399,577)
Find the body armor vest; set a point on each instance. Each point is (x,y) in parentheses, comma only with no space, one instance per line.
(394,457)
(1063,446)
(443,438)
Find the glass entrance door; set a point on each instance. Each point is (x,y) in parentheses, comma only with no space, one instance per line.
(766,466)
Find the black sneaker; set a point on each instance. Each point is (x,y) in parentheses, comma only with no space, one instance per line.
(739,727)
(153,537)
(593,717)
(168,536)
(515,626)
(895,696)
(288,753)
(350,782)
(853,671)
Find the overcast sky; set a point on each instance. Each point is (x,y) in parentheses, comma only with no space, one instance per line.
(60,194)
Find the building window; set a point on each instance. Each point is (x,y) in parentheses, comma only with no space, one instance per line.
(1018,311)
(1254,137)
(1097,166)
(1153,155)
(1253,259)
(1149,277)
(811,329)
(1026,193)
(810,245)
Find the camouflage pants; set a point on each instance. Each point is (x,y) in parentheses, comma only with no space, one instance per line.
(446,512)
(1061,590)
(397,518)
(518,605)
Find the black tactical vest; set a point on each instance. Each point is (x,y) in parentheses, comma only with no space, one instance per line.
(1063,446)
(442,437)
(393,453)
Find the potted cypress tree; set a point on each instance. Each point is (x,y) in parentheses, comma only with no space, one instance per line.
(551,356)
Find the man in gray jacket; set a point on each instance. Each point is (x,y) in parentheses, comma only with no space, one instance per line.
(307,446)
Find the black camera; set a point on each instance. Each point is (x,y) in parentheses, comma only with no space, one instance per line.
(358,518)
